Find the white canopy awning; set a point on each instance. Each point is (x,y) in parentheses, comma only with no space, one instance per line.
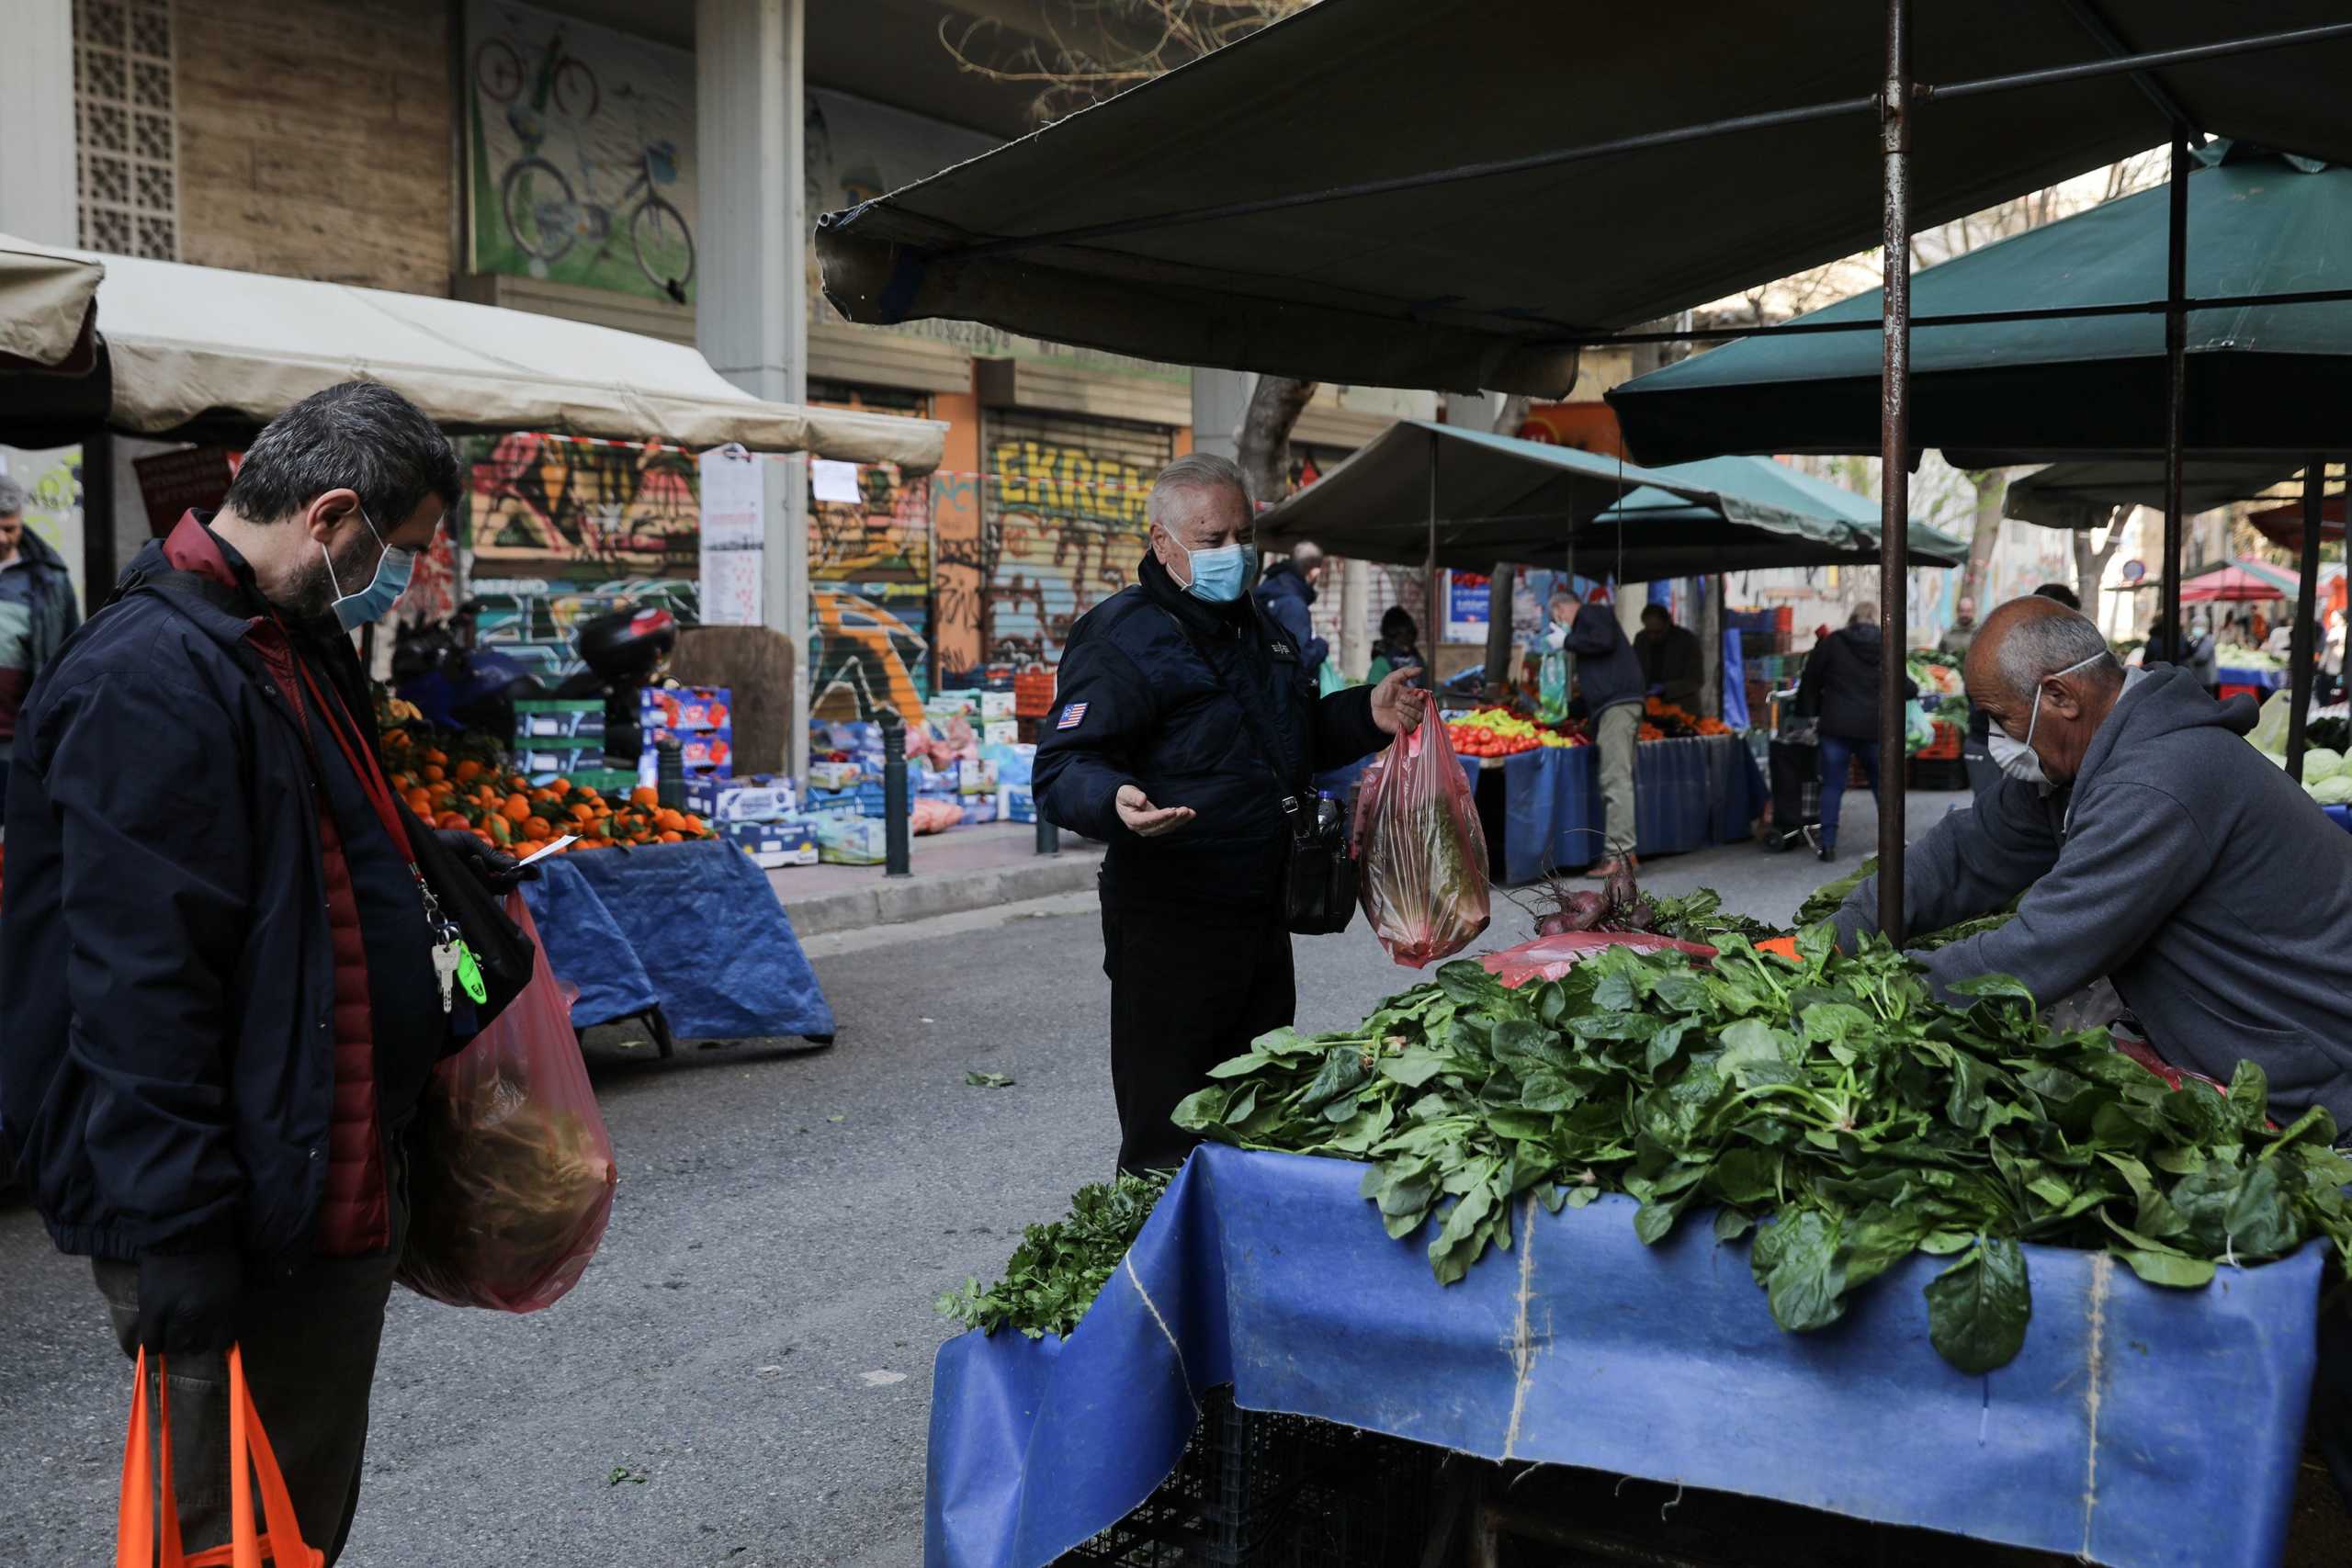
(44,300)
(190,343)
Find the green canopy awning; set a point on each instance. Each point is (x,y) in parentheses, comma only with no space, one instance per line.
(1495,498)
(2261,379)
(2084,495)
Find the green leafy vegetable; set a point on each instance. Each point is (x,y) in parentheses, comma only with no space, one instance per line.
(1055,1274)
(1822,904)
(1829,1107)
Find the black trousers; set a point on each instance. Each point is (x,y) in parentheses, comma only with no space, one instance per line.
(1190,986)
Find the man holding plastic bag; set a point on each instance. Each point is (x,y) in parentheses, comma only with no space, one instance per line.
(1184,736)
(230,956)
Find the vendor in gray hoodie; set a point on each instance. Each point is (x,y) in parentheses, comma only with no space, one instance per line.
(2154,847)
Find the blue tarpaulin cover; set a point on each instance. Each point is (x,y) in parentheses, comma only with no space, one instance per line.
(1687,795)
(2138,1426)
(697,924)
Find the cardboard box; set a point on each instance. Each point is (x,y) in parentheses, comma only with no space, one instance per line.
(1016,804)
(685,707)
(1002,732)
(541,766)
(835,775)
(996,706)
(704,751)
(541,721)
(978,810)
(941,707)
(975,777)
(773,844)
(763,797)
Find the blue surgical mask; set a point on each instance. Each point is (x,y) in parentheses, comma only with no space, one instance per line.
(353,611)
(1223,574)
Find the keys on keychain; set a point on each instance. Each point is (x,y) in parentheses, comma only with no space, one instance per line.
(445,972)
(455,967)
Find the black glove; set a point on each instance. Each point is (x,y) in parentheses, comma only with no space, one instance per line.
(188,1300)
(493,868)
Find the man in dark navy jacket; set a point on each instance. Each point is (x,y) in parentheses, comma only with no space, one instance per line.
(219,1005)
(1149,750)
(1609,675)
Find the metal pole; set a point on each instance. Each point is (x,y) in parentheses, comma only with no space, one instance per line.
(2301,661)
(896,807)
(1895,460)
(2177,389)
(1437,609)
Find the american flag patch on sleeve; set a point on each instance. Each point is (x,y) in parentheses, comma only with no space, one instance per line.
(1072,713)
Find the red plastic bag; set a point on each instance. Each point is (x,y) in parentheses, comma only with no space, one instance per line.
(1423,872)
(1549,957)
(511,1172)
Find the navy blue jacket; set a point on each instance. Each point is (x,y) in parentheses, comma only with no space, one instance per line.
(1840,682)
(1137,702)
(1286,597)
(168,980)
(1608,669)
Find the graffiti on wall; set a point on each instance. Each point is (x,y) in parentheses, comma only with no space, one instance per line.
(869,567)
(1066,529)
(559,531)
(581,153)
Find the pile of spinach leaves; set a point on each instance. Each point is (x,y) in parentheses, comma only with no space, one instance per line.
(1058,1269)
(1833,1095)
(1822,904)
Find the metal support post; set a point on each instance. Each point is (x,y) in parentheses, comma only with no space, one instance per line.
(896,807)
(1049,838)
(2301,662)
(1894,459)
(2175,389)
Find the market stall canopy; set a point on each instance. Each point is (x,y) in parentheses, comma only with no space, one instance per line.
(46,298)
(1753,488)
(1495,498)
(2239,582)
(2261,379)
(200,351)
(1273,207)
(2084,495)
(2283,525)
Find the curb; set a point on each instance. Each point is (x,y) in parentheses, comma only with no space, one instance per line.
(894,901)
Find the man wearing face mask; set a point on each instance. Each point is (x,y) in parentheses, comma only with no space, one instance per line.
(1169,695)
(219,996)
(2155,848)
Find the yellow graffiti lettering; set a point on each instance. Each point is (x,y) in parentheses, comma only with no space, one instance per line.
(1037,465)
(1010,490)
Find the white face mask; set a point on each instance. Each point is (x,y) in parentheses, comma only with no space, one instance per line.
(2017,759)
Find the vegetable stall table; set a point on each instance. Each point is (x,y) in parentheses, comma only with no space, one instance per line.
(2137,1426)
(689,936)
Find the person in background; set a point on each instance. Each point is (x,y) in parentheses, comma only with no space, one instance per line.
(1286,592)
(2203,660)
(2331,664)
(1975,756)
(219,1004)
(37,614)
(1610,674)
(1673,669)
(1399,649)
(1154,749)
(1841,683)
(2061,592)
(1962,630)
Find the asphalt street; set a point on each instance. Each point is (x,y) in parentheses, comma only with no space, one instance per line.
(743,1376)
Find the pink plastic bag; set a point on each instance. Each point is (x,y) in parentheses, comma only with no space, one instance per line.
(1549,957)
(1423,874)
(511,1171)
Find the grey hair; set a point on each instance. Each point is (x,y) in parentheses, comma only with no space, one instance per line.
(1196,471)
(358,436)
(2039,647)
(1864,614)
(12,497)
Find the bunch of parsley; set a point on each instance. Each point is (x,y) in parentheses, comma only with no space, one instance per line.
(1058,1270)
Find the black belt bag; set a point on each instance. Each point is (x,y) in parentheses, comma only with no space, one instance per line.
(1319,864)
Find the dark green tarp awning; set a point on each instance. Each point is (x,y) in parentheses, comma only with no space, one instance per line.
(1475,282)
(2084,495)
(2261,379)
(1495,498)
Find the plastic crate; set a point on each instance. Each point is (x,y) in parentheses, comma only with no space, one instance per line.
(1033,694)
(1945,748)
(1939,773)
(1271,1491)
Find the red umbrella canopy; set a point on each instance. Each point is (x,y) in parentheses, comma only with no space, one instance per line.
(2283,525)
(2232,584)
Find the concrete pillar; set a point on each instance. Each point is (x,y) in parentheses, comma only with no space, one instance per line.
(37,123)
(1220,399)
(752,295)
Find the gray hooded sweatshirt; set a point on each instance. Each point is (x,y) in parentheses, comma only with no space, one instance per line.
(2183,865)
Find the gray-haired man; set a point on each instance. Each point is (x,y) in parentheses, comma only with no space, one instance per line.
(1154,747)
(37,614)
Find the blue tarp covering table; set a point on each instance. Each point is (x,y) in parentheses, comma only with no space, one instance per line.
(695,927)
(2265,680)
(2138,1427)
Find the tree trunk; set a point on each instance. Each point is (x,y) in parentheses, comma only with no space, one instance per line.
(2090,565)
(1501,635)
(1991,484)
(1263,441)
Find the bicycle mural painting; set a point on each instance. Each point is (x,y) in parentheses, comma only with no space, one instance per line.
(561,112)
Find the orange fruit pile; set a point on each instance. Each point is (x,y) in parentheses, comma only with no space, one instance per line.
(504,810)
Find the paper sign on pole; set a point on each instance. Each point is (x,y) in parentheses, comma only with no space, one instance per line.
(734,536)
(830,480)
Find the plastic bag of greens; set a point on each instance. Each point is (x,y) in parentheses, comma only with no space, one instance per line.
(511,1172)
(1919,729)
(2270,732)
(1423,876)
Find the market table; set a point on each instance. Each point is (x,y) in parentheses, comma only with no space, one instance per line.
(1687,795)
(693,928)
(2138,1426)
(2254,680)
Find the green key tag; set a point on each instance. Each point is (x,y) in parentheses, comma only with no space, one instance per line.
(470,974)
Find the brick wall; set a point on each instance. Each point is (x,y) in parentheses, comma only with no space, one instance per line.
(314,140)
